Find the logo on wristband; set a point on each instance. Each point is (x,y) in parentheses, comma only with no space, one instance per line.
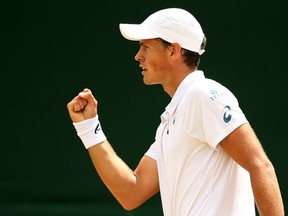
(97,129)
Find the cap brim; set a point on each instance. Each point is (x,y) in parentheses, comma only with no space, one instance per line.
(135,32)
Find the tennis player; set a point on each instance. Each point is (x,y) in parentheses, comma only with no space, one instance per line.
(206,159)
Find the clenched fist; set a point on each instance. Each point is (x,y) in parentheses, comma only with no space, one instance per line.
(83,106)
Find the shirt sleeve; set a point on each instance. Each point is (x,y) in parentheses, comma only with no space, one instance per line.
(221,114)
(212,112)
(151,152)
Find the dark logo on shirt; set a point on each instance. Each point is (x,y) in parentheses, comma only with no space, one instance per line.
(227,114)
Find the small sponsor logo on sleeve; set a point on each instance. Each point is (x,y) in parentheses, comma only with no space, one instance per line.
(227,114)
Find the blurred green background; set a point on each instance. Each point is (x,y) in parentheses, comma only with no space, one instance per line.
(51,50)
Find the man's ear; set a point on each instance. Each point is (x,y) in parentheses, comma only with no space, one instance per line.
(175,49)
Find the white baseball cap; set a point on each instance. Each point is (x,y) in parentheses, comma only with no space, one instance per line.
(174,25)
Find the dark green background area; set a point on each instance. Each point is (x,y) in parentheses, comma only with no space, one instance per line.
(51,50)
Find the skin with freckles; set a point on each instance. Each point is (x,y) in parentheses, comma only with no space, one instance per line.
(162,65)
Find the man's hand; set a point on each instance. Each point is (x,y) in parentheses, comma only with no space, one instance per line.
(83,106)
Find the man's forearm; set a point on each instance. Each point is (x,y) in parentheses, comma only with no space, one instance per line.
(113,171)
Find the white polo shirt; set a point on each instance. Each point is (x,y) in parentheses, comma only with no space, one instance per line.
(197,178)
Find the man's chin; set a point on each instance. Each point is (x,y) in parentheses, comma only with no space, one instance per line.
(148,82)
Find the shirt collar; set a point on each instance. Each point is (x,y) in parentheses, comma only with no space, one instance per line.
(181,90)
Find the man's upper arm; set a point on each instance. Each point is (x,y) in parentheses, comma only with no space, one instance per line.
(245,148)
(147,177)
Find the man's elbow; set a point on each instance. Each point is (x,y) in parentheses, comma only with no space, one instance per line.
(129,206)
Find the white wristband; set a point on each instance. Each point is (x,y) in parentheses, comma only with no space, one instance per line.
(90,132)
